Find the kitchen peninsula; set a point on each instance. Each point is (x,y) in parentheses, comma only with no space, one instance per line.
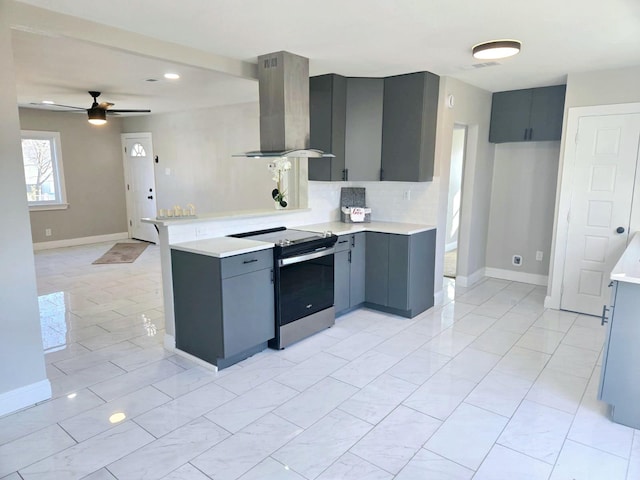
(400,263)
(619,385)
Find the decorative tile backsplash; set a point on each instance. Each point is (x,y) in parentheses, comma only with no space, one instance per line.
(409,202)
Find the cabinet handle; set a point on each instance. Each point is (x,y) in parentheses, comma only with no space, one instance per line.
(526,132)
(345,174)
(250,261)
(272,278)
(353,240)
(531,133)
(604,318)
(349,256)
(610,284)
(342,241)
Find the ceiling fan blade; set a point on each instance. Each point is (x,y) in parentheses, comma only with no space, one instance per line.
(45,105)
(128,111)
(106,105)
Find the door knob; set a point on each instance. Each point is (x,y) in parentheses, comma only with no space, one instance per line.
(620,230)
(150,197)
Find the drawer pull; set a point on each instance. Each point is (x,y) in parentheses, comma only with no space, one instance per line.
(604,318)
(342,241)
(250,261)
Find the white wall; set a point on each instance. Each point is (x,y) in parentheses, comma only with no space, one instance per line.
(606,87)
(22,375)
(455,187)
(197,148)
(522,202)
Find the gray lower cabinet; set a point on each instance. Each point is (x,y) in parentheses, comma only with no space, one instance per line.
(349,272)
(224,307)
(532,114)
(399,274)
(619,384)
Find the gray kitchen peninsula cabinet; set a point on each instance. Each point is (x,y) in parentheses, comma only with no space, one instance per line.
(410,110)
(349,272)
(532,114)
(620,374)
(399,275)
(224,307)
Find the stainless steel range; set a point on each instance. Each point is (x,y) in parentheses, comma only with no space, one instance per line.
(304,282)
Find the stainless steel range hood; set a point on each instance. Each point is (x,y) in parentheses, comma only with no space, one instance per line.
(283,80)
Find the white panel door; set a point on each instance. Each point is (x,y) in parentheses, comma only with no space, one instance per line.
(140,184)
(602,193)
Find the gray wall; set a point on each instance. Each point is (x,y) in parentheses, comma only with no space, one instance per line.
(21,355)
(473,109)
(93,172)
(197,148)
(522,203)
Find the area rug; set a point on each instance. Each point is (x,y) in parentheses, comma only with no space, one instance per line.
(122,253)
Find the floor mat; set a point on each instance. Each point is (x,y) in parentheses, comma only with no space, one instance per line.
(122,253)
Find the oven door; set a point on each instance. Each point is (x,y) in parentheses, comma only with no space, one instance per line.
(305,285)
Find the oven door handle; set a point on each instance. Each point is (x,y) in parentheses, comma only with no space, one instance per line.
(309,256)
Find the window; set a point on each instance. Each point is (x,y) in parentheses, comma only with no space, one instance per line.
(43,172)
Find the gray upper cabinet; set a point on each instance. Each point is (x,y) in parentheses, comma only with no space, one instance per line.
(533,114)
(409,127)
(327,109)
(363,143)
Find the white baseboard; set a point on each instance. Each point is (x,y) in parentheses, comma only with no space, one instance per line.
(73,242)
(23,397)
(472,279)
(550,302)
(169,342)
(530,278)
(438,297)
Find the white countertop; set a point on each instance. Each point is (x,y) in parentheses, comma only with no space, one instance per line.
(628,267)
(222,246)
(340,228)
(230,215)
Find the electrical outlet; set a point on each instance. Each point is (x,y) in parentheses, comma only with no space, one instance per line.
(517,260)
(47,232)
(406,195)
(539,256)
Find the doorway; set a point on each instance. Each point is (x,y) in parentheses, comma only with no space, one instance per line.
(454,202)
(605,161)
(140,185)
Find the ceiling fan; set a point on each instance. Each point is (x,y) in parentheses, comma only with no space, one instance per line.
(98,111)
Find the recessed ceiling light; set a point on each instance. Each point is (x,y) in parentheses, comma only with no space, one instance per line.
(171,76)
(496,49)
(48,102)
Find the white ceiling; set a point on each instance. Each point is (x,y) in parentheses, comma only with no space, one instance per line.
(349,37)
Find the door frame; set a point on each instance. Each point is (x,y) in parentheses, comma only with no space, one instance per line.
(127,173)
(465,128)
(564,192)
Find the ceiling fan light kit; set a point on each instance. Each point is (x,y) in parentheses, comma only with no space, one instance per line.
(97,116)
(496,49)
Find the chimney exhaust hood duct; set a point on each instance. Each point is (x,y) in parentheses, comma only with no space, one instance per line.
(283,80)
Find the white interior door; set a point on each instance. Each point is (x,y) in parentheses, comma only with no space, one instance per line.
(140,184)
(602,193)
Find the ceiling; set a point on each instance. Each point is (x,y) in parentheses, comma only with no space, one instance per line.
(352,37)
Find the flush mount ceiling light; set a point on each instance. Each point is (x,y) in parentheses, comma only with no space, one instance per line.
(171,76)
(496,49)
(97,116)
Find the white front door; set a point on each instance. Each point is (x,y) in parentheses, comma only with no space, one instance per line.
(602,193)
(140,185)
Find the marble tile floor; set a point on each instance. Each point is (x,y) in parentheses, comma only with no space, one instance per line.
(489,386)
